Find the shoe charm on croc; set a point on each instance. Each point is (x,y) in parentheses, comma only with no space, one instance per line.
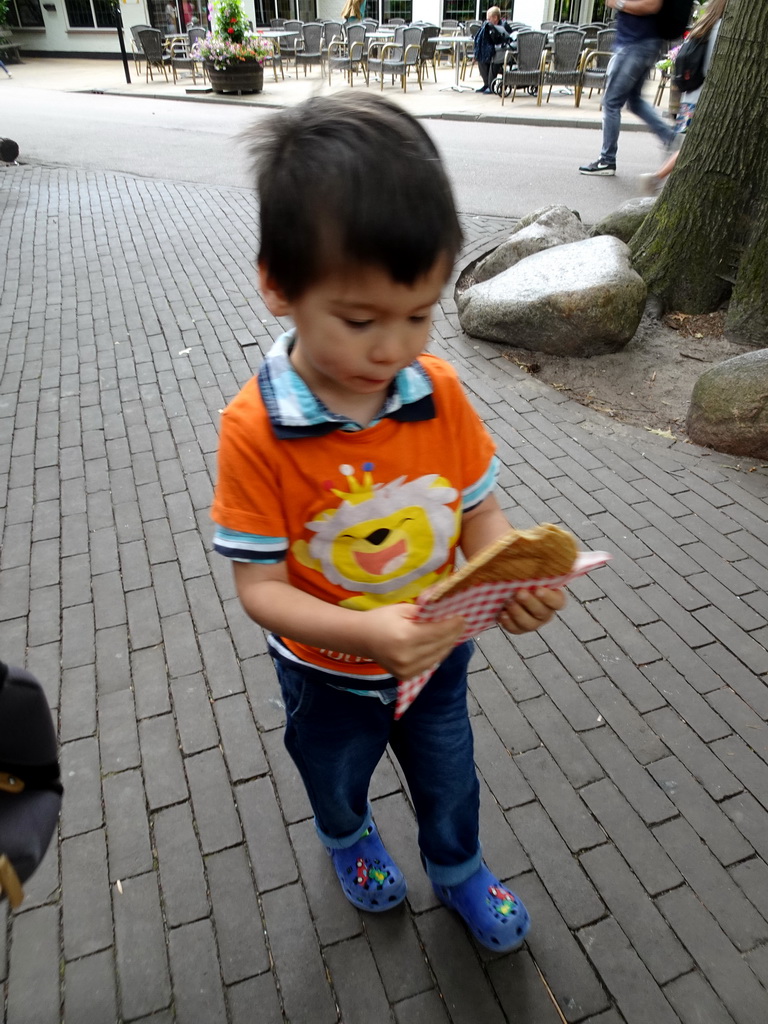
(495,916)
(369,877)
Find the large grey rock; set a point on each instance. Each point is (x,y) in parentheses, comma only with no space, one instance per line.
(623,222)
(729,406)
(582,299)
(553,225)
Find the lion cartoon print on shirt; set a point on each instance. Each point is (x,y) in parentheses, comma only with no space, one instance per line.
(384,542)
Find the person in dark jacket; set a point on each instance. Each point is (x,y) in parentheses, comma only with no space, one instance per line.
(490,43)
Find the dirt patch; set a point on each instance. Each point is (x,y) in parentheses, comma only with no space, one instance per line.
(650,382)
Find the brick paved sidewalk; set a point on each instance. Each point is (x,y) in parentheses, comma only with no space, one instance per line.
(623,751)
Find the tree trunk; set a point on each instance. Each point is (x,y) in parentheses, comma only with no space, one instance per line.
(707,236)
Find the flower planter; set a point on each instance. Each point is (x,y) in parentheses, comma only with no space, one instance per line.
(247,76)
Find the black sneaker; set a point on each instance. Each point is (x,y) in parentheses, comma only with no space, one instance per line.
(599,167)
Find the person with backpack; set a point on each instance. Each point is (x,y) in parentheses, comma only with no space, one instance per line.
(640,27)
(690,70)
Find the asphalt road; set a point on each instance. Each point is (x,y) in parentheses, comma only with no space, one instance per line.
(508,169)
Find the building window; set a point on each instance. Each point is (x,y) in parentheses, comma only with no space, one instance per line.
(463,10)
(397,9)
(90,13)
(24,14)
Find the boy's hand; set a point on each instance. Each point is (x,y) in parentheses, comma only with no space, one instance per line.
(405,647)
(530,609)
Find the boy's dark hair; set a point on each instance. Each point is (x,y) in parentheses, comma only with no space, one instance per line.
(350,179)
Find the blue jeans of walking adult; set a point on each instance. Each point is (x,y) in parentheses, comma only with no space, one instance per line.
(337,738)
(624,82)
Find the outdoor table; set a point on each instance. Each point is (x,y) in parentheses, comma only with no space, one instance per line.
(457,42)
(170,41)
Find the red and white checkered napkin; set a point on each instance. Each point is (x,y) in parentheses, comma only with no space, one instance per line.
(480,606)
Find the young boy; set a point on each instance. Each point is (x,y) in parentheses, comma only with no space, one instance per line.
(350,470)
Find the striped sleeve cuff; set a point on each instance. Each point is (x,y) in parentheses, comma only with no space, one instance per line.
(249,547)
(479,491)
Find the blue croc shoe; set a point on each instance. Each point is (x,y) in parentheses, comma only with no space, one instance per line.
(494,915)
(369,877)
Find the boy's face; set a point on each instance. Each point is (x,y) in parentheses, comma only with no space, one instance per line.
(356,329)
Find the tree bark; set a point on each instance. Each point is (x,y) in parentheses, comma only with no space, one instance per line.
(706,238)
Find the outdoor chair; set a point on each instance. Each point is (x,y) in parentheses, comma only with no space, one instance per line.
(310,51)
(347,55)
(400,58)
(549,26)
(332,29)
(277,23)
(449,27)
(182,60)
(136,48)
(155,55)
(370,23)
(393,22)
(290,44)
(594,64)
(562,68)
(375,53)
(591,29)
(522,70)
(428,49)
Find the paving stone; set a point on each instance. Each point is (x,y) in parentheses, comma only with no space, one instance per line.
(629,776)
(182,879)
(558,798)
(624,720)
(197,989)
(290,788)
(113,670)
(459,974)
(240,739)
(164,779)
(698,758)
(130,850)
(90,993)
(261,992)
(559,956)
(220,662)
(140,947)
(306,994)
(741,718)
(502,711)
(564,692)
(656,944)
(638,998)
(212,801)
(356,981)
(78,703)
(752,877)
(86,904)
(265,834)
(751,820)
(33,981)
(700,811)
(194,714)
(692,708)
(521,991)
(118,739)
(738,988)
(239,929)
(508,665)
(695,1002)
(263,692)
(637,845)
(496,765)
(181,652)
(81,807)
(571,890)
(150,682)
(565,746)
(425,1008)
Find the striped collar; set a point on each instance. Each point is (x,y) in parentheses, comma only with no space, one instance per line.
(295,411)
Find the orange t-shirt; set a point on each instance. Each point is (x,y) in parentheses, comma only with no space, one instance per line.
(371,517)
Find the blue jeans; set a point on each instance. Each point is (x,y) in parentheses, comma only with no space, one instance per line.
(625,77)
(336,739)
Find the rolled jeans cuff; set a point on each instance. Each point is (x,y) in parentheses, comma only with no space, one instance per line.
(343,843)
(453,874)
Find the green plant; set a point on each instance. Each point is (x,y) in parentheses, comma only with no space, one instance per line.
(4,5)
(232,43)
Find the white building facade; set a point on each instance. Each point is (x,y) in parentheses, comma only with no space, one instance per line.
(86,28)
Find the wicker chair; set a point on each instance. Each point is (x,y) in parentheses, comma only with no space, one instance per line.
(594,64)
(563,67)
(400,58)
(290,44)
(348,55)
(428,49)
(375,53)
(311,49)
(137,52)
(151,41)
(522,70)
